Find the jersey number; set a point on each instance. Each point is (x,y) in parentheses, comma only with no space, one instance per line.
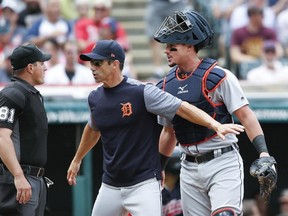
(7,114)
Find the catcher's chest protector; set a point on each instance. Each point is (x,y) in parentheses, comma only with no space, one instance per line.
(194,88)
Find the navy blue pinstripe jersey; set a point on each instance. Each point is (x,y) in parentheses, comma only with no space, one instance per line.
(126,116)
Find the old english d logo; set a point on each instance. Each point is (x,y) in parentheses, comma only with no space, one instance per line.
(126,109)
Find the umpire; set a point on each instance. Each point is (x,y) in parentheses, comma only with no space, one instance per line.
(23,136)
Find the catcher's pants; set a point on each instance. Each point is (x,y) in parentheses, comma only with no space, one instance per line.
(141,199)
(212,185)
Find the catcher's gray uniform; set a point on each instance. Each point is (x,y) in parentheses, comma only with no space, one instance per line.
(212,169)
(216,183)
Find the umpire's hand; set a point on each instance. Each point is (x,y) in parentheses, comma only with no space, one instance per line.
(24,191)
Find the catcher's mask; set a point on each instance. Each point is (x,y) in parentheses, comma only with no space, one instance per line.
(185,27)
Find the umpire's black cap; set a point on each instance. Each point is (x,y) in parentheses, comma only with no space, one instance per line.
(27,54)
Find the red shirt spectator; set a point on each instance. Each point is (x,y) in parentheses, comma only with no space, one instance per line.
(87,30)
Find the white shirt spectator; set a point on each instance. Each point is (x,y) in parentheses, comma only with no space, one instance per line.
(266,75)
(271,70)
(56,75)
(70,72)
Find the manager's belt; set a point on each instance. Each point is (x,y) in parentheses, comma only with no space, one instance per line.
(207,156)
(30,170)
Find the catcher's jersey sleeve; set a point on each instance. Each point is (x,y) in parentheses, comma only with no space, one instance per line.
(231,93)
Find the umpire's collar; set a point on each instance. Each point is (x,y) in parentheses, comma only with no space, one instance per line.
(24,84)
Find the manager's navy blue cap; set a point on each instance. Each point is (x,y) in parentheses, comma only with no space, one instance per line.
(105,49)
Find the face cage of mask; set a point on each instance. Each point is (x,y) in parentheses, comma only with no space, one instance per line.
(180,23)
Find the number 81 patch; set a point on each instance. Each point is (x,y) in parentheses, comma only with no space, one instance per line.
(7,114)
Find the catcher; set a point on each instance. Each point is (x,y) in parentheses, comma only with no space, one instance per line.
(211,176)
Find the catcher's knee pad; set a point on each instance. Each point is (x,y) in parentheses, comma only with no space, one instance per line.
(224,212)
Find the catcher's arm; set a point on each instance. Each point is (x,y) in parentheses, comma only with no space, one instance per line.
(263,168)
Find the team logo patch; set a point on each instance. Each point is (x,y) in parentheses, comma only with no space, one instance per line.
(126,109)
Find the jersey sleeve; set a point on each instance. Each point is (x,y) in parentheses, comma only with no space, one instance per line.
(231,93)
(159,102)
(91,123)
(12,103)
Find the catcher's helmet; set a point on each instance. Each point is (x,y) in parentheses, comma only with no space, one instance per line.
(174,163)
(185,27)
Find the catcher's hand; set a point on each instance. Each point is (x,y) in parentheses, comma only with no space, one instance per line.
(264,170)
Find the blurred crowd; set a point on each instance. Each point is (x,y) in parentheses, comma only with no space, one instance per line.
(62,28)
(251,36)
(256,207)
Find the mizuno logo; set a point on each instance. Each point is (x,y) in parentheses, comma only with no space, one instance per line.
(181,89)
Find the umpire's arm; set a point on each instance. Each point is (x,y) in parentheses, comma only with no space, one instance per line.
(9,158)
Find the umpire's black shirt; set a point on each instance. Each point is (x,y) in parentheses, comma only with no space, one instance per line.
(22,111)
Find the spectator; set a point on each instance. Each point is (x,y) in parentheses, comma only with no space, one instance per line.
(52,46)
(70,72)
(156,12)
(277,5)
(4,24)
(271,70)
(30,14)
(171,198)
(221,11)
(282,29)
(87,30)
(240,18)
(4,29)
(83,9)
(51,26)
(247,41)
(283,200)
(12,35)
(6,70)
